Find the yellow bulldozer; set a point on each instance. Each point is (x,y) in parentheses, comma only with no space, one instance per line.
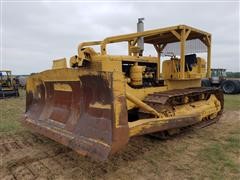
(8,85)
(102,100)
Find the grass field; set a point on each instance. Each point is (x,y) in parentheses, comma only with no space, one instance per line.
(209,153)
(12,110)
(232,102)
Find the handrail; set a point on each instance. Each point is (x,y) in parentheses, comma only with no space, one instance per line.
(89,43)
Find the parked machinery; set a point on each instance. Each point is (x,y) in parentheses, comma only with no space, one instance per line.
(102,100)
(219,79)
(8,86)
(21,81)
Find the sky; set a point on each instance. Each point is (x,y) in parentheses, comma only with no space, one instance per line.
(35,33)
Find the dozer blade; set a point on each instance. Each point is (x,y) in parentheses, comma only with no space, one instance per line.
(78,108)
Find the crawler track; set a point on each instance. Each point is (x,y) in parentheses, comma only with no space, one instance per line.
(178,96)
(164,102)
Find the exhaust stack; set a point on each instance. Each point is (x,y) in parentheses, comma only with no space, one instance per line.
(140,28)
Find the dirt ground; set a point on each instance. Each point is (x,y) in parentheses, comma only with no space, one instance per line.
(209,153)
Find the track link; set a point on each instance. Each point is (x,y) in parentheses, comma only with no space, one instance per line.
(164,103)
(161,101)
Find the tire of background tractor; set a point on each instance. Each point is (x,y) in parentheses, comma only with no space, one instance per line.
(238,85)
(230,86)
(205,83)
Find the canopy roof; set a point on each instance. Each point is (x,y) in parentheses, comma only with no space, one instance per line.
(161,36)
(197,40)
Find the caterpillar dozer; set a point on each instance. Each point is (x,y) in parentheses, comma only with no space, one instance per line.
(101,100)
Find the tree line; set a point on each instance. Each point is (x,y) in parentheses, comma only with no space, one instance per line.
(233,74)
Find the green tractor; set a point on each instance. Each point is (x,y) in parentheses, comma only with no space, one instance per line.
(219,79)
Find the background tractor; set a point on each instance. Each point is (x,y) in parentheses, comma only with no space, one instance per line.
(102,100)
(8,84)
(219,79)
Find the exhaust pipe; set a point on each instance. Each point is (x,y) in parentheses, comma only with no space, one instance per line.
(140,28)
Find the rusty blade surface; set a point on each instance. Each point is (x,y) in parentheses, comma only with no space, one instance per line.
(78,114)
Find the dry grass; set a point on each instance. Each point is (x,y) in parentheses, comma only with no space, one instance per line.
(232,102)
(12,109)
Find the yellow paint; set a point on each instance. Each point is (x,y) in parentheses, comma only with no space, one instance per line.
(62,87)
(142,93)
(171,70)
(59,63)
(7,83)
(136,75)
(100,106)
(125,97)
(181,84)
(199,110)
(141,104)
